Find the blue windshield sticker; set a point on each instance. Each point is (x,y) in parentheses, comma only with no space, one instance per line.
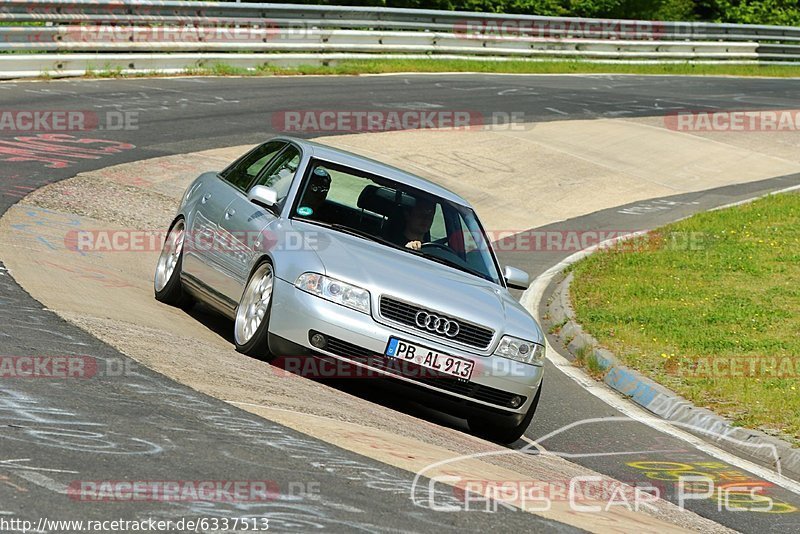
(305,211)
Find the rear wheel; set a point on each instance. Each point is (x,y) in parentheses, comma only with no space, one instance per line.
(167,280)
(496,431)
(252,314)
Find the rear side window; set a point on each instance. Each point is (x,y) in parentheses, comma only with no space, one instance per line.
(280,173)
(244,171)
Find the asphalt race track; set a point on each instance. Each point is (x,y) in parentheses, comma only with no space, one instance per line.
(147,427)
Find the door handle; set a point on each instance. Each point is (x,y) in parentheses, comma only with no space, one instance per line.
(230,213)
(205,198)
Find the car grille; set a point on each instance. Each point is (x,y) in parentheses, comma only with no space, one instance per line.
(421,374)
(404,313)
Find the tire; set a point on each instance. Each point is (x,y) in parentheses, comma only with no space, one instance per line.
(500,433)
(167,279)
(251,326)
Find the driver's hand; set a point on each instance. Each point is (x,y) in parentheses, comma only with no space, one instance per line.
(414,245)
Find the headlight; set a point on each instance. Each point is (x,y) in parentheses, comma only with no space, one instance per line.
(335,291)
(520,350)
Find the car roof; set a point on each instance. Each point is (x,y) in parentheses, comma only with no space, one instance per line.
(372,166)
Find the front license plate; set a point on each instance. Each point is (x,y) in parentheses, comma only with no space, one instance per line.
(429,358)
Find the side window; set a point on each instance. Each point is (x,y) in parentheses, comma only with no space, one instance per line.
(469,247)
(243,172)
(438,228)
(280,173)
(469,239)
(459,238)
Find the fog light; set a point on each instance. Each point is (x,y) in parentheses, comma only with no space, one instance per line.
(319,341)
(515,402)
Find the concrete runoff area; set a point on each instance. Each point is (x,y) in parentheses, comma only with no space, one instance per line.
(516,180)
(195,349)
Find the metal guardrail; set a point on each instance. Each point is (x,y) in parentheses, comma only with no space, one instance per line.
(68,37)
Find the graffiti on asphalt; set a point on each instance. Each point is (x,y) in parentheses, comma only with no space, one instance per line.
(58,151)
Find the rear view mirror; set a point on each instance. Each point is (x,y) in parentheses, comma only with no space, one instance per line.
(263,196)
(515,278)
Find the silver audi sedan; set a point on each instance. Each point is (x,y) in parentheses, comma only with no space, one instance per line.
(321,254)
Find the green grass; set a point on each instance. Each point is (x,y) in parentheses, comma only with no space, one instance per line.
(382,66)
(731,292)
(108,71)
(585,357)
(433,65)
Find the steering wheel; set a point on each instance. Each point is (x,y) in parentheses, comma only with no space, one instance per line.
(437,245)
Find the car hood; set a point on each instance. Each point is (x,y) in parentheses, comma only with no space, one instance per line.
(386,271)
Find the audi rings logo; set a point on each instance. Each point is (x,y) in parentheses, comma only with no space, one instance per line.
(436,324)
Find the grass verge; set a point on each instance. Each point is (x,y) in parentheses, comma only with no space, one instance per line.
(381,66)
(709,307)
(385,66)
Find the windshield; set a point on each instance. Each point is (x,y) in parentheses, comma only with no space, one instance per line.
(395,215)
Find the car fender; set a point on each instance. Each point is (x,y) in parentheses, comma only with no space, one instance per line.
(291,253)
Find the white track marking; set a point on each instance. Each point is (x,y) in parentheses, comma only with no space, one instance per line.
(12,464)
(45,482)
(535,445)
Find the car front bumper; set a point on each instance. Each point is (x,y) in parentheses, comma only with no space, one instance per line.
(356,338)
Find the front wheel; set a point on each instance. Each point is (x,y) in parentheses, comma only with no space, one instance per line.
(167,280)
(252,314)
(499,433)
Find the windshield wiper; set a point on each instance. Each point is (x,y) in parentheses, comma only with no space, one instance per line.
(365,235)
(355,232)
(454,264)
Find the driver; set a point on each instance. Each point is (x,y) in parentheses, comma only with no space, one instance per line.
(418,220)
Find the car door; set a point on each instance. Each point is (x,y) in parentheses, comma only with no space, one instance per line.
(202,259)
(243,227)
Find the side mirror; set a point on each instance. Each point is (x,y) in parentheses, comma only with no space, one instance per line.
(515,278)
(263,196)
